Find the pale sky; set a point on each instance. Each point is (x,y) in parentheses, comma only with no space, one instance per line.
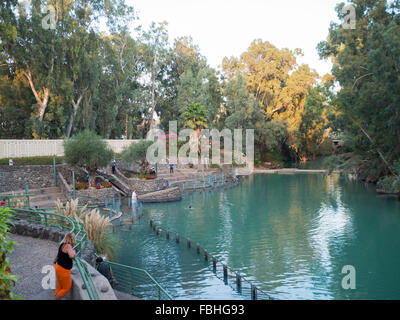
(227,27)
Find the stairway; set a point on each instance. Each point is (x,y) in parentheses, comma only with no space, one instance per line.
(183,174)
(42,198)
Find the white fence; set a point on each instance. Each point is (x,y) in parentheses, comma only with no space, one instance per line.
(34,148)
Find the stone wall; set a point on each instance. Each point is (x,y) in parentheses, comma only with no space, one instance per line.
(94,196)
(167,195)
(14,178)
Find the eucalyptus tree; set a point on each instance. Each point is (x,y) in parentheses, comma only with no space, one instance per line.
(366,65)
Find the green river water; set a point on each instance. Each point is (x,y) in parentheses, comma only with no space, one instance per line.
(290,235)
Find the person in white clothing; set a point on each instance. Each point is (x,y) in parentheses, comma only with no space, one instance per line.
(134,199)
(10,162)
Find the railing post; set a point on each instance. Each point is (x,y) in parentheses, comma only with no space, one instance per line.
(27,195)
(55,172)
(73,185)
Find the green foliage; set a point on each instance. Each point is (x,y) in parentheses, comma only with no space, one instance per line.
(7,279)
(195,117)
(25,161)
(136,152)
(366,66)
(87,150)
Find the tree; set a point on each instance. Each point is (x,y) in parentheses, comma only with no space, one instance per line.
(136,152)
(314,128)
(366,65)
(195,117)
(87,150)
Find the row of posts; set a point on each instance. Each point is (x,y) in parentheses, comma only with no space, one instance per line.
(212,181)
(206,257)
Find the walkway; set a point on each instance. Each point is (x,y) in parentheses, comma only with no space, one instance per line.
(27,262)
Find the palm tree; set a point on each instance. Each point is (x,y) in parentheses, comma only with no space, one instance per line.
(195,117)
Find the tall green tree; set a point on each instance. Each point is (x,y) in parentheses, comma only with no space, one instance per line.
(366,65)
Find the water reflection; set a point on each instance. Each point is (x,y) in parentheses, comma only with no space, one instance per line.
(289,234)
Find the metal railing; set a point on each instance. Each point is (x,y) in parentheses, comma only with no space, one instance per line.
(131,280)
(230,277)
(12,201)
(137,282)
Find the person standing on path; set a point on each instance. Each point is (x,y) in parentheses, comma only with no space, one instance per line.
(105,270)
(10,162)
(171,168)
(63,266)
(113,166)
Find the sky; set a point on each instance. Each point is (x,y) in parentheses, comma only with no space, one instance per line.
(227,27)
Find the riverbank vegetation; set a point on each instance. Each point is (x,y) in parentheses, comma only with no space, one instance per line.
(107,78)
(7,279)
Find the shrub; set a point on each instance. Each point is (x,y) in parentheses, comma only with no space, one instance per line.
(136,152)
(87,150)
(389,184)
(81,186)
(215,166)
(106,184)
(7,279)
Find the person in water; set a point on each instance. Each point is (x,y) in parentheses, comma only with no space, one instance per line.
(63,266)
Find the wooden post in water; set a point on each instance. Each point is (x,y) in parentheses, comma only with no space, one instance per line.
(198,249)
(238,281)
(177,239)
(167,236)
(188,244)
(214,261)
(253,293)
(225,272)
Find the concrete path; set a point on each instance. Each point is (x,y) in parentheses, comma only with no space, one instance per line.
(27,262)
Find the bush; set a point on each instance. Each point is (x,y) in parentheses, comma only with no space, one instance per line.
(106,184)
(389,184)
(136,152)
(81,186)
(215,166)
(25,161)
(87,150)
(7,280)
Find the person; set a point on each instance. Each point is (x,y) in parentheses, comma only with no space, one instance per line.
(113,166)
(134,198)
(63,266)
(3,203)
(166,184)
(105,270)
(10,162)
(171,168)
(190,207)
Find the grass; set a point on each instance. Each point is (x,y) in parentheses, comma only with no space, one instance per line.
(95,224)
(43,160)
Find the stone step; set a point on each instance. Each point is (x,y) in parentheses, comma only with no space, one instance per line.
(47,203)
(35,191)
(46,196)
